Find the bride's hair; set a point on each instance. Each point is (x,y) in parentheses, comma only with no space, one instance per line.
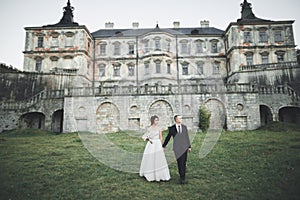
(153,118)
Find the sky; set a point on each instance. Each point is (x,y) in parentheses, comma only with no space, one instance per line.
(15,15)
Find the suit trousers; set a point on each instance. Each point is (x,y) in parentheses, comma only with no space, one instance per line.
(181,162)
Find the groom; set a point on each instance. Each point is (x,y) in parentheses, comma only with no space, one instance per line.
(181,145)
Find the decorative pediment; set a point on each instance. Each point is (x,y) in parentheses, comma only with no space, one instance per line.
(214,40)
(116,64)
(183,41)
(279,52)
(249,53)
(264,53)
(199,41)
(184,63)
(68,57)
(40,34)
(130,64)
(69,34)
(38,58)
(54,58)
(54,34)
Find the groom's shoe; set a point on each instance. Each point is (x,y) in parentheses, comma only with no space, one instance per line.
(182,181)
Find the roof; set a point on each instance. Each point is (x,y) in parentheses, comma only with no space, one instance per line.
(143,31)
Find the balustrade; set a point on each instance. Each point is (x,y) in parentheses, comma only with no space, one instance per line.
(269,65)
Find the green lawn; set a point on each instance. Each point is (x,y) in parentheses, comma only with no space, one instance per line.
(261,164)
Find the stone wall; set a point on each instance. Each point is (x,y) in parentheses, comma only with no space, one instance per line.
(19,86)
(133,112)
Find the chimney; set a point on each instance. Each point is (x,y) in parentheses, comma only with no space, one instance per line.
(135,25)
(109,25)
(176,24)
(204,23)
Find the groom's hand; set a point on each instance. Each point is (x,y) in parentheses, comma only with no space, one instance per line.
(190,149)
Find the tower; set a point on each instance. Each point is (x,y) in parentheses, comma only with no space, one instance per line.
(65,47)
(253,44)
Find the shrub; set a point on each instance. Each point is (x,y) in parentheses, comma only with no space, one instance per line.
(204,119)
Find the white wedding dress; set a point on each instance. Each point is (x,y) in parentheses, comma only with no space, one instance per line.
(154,166)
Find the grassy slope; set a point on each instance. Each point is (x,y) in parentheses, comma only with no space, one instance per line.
(259,164)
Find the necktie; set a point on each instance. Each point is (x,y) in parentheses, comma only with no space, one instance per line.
(179,130)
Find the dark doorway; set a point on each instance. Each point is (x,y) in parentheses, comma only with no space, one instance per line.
(265,115)
(289,114)
(57,121)
(34,120)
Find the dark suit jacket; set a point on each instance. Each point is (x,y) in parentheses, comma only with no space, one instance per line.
(181,141)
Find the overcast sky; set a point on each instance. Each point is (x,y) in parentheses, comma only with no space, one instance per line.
(17,14)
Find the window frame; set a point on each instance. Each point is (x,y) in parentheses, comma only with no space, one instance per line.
(185,69)
(40,41)
(38,64)
(157,67)
(102,69)
(249,59)
(147,68)
(117,70)
(117,48)
(102,49)
(131,49)
(263,36)
(216,68)
(247,37)
(278,36)
(130,70)
(200,68)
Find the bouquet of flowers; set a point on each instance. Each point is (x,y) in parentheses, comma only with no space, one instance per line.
(147,138)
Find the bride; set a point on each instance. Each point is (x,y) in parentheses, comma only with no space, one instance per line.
(154,166)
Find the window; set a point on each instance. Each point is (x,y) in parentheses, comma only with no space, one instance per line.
(117,48)
(54,39)
(88,68)
(147,68)
(157,43)
(200,68)
(216,68)
(184,47)
(38,64)
(168,68)
(185,69)
(168,46)
(102,70)
(89,46)
(247,36)
(158,67)
(280,58)
(40,42)
(263,36)
(199,48)
(146,46)
(249,59)
(264,59)
(214,46)
(131,49)
(277,36)
(102,49)
(131,70)
(116,70)
(54,42)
